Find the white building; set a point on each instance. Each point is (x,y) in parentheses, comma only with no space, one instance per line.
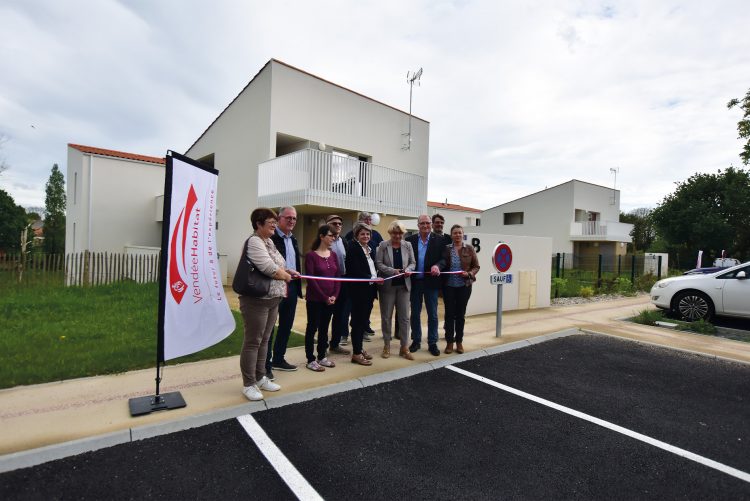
(114,200)
(291,138)
(468,217)
(582,218)
(288,138)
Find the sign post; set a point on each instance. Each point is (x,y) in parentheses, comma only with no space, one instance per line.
(502,257)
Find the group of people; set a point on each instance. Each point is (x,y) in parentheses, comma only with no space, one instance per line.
(344,276)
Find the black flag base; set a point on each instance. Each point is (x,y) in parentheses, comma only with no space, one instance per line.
(164,402)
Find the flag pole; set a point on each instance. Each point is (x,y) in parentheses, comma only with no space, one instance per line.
(146,405)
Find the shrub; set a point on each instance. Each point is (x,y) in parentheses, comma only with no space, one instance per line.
(645,282)
(648,317)
(699,326)
(586,291)
(559,285)
(624,286)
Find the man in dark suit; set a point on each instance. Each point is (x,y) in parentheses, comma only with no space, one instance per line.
(425,284)
(285,242)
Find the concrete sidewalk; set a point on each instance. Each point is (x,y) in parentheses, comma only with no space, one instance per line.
(54,413)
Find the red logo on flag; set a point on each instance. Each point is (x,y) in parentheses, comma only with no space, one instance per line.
(177,248)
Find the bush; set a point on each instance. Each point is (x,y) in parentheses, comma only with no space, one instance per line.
(586,291)
(559,285)
(699,326)
(623,286)
(648,317)
(645,282)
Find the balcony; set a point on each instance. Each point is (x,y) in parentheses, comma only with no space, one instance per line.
(600,231)
(319,178)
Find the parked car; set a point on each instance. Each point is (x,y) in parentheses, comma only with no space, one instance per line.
(701,296)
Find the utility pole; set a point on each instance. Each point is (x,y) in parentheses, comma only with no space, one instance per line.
(411,78)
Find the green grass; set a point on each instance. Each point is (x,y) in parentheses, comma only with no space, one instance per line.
(648,317)
(54,333)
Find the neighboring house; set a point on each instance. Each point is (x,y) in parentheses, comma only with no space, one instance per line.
(582,219)
(291,138)
(288,138)
(113,200)
(468,217)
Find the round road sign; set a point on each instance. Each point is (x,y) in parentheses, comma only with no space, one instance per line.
(502,257)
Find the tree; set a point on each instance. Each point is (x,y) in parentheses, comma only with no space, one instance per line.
(743,126)
(707,212)
(54,223)
(12,223)
(643,232)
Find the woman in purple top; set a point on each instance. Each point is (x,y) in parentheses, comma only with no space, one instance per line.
(321,296)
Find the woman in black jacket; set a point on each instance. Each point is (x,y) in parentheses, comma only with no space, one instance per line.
(360,264)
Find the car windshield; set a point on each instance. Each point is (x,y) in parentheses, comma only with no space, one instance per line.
(733,273)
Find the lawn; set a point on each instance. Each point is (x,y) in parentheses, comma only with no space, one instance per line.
(51,333)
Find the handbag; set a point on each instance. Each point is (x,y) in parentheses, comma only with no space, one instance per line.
(249,280)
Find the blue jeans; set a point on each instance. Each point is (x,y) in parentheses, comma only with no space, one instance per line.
(418,292)
(287,309)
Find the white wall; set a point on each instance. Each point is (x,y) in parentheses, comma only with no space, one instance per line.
(240,139)
(546,213)
(284,100)
(308,107)
(111,203)
(529,254)
(467,219)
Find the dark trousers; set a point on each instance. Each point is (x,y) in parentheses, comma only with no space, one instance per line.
(362,296)
(340,323)
(318,318)
(287,309)
(456,299)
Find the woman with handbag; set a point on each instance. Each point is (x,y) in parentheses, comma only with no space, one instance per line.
(259,312)
(360,264)
(393,257)
(460,257)
(320,297)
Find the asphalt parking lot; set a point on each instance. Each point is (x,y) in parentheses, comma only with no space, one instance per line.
(586,417)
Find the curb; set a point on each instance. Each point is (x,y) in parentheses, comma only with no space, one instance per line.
(34,457)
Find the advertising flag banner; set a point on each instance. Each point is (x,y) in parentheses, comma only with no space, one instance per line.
(193,308)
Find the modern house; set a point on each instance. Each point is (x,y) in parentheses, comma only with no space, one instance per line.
(582,219)
(288,138)
(292,138)
(114,200)
(468,217)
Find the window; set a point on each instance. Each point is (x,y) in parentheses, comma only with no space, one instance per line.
(512,218)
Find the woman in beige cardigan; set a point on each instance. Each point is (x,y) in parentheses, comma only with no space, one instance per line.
(393,257)
(259,313)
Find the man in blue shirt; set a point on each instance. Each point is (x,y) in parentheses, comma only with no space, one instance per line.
(425,284)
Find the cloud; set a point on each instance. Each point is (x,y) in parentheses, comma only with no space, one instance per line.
(519,95)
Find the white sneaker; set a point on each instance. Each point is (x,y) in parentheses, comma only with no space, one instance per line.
(268,385)
(252,392)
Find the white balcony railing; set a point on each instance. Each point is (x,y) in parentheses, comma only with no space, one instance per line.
(611,231)
(319,178)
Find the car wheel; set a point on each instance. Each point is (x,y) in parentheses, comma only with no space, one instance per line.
(693,305)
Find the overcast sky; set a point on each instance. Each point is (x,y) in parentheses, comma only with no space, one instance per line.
(520,95)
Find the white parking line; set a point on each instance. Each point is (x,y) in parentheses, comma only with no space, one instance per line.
(286,470)
(606,424)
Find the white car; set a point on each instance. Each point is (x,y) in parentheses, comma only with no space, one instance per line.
(694,297)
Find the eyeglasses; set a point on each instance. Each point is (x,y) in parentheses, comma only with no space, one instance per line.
(335,224)
(330,235)
(272,222)
(424,222)
(289,218)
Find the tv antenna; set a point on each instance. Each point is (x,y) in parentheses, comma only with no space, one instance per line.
(614,170)
(411,79)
